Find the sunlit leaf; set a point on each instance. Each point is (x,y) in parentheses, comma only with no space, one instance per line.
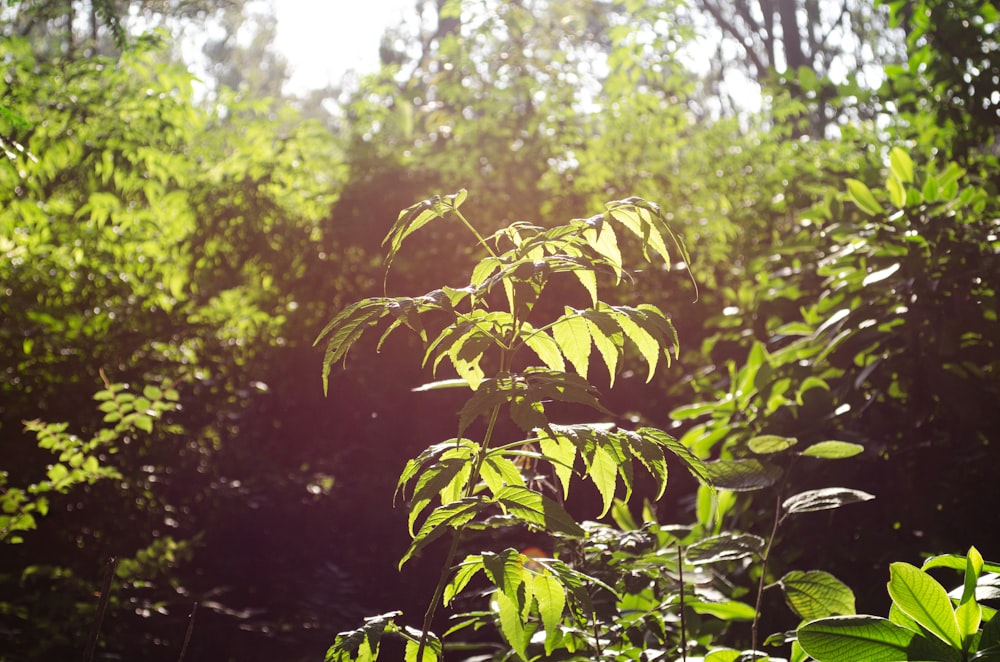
(833,450)
(817,594)
(770,443)
(864,639)
(724,547)
(572,334)
(826,498)
(924,600)
(863,198)
(742,475)
(537,510)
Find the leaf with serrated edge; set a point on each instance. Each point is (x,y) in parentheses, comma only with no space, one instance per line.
(633,322)
(572,334)
(603,471)
(560,452)
(608,338)
(538,510)
(544,346)
(452,515)
(467,569)
(742,475)
(550,597)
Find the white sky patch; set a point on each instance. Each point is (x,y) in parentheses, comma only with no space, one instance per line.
(324,39)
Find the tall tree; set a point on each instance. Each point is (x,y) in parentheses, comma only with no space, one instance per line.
(818,51)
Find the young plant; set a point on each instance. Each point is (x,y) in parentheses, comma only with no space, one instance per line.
(925,622)
(518,362)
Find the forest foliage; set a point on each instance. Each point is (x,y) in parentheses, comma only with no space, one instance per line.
(771,277)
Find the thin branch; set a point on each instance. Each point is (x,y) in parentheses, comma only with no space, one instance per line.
(95,631)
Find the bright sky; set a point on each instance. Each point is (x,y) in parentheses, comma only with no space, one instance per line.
(322,39)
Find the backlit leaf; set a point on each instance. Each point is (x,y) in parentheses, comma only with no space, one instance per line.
(924,600)
(863,198)
(862,639)
(724,547)
(826,498)
(833,450)
(742,475)
(770,443)
(816,594)
(572,334)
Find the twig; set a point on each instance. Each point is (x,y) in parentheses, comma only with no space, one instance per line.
(680,567)
(109,577)
(187,635)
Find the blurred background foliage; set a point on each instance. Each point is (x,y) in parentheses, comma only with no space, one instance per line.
(182,244)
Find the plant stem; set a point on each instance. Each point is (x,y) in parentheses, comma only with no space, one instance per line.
(456,538)
(680,568)
(190,631)
(95,631)
(763,572)
(475,232)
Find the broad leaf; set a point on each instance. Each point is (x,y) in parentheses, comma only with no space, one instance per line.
(544,347)
(537,510)
(817,594)
(572,334)
(694,465)
(833,450)
(742,475)
(864,639)
(362,645)
(924,600)
(550,597)
(725,547)
(770,443)
(452,515)
(824,499)
(863,198)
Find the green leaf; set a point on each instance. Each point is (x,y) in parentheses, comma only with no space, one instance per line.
(901,165)
(833,450)
(924,600)
(362,645)
(550,596)
(498,472)
(727,610)
(742,475)
(452,515)
(560,452)
(637,328)
(603,471)
(650,453)
(863,198)
(826,498)
(608,338)
(817,594)
(431,652)
(863,639)
(537,510)
(545,347)
(467,569)
(512,625)
(725,547)
(600,234)
(572,334)
(415,217)
(770,443)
